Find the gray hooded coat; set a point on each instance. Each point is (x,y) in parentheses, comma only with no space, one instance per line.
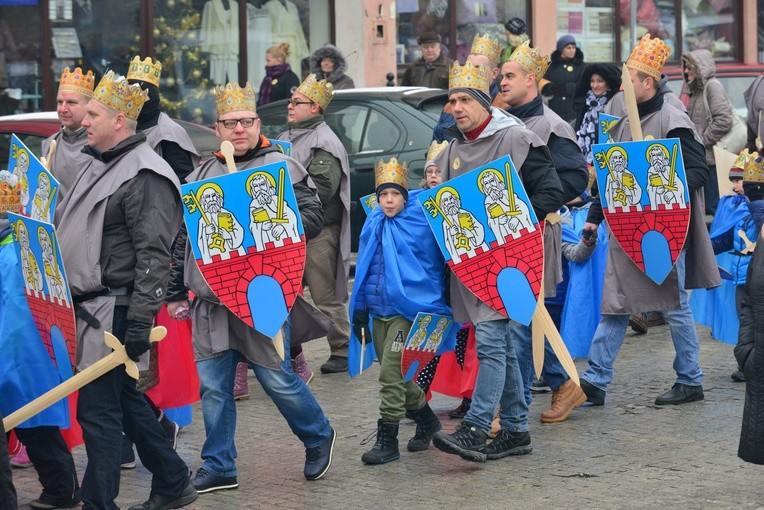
(337,78)
(701,62)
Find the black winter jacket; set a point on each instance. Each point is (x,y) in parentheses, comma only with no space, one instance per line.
(750,357)
(565,76)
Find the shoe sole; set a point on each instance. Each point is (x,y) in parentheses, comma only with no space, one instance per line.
(581,401)
(377,462)
(216,488)
(328,464)
(187,500)
(676,403)
(448,447)
(242,397)
(127,465)
(517,450)
(332,371)
(309,378)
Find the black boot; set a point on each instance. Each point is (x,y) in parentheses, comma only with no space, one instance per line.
(386,448)
(427,424)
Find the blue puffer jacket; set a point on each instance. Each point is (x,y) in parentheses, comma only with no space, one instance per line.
(375,290)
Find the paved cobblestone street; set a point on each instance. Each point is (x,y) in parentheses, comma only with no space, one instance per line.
(627,454)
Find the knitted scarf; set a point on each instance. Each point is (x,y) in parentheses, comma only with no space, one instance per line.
(271,72)
(587,133)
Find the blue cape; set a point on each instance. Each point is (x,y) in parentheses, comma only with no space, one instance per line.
(715,308)
(26,369)
(581,311)
(414,271)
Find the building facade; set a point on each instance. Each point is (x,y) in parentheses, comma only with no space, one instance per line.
(205,42)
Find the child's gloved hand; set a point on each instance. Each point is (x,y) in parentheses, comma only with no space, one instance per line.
(361,325)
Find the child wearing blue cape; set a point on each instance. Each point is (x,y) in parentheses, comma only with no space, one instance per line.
(737,223)
(399,273)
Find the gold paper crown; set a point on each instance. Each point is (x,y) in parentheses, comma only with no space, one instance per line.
(77,82)
(468,76)
(648,56)
(531,60)
(317,91)
(754,169)
(233,98)
(10,198)
(148,70)
(743,158)
(488,46)
(434,149)
(115,93)
(391,173)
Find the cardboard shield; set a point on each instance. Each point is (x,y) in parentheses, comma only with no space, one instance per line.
(283,146)
(490,236)
(46,289)
(39,188)
(604,124)
(369,203)
(644,195)
(247,238)
(425,341)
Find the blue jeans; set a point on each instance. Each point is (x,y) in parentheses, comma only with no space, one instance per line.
(288,392)
(611,330)
(499,380)
(553,372)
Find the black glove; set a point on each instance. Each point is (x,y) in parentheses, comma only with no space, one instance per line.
(137,338)
(361,325)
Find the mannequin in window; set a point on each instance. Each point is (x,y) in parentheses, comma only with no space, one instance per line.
(220,38)
(258,37)
(286,27)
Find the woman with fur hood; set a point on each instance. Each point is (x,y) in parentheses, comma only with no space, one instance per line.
(699,73)
(599,82)
(328,63)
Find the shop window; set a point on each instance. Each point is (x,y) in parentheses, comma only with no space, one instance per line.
(710,25)
(760,31)
(591,22)
(20,65)
(707,24)
(198,44)
(472,17)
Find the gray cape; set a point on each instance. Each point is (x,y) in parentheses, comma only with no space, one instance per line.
(68,160)
(628,290)
(80,234)
(504,134)
(167,129)
(305,142)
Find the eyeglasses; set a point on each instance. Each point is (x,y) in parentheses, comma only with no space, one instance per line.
(297,102)
(231,123)
(433,171)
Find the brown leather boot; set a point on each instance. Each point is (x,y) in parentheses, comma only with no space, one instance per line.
(564,399)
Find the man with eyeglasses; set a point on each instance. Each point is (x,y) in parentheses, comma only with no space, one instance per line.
(220,338)
(327,263)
